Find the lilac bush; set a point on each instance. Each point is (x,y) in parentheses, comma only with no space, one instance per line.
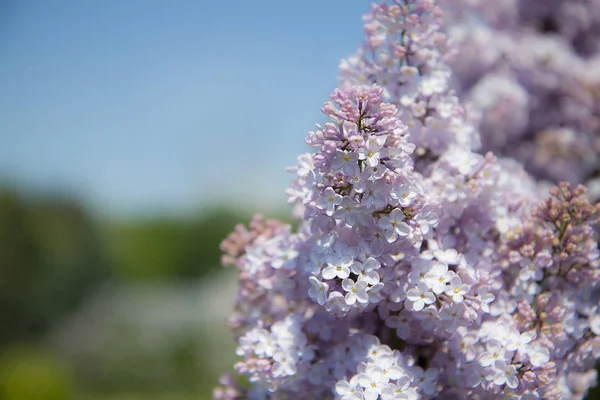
(422,267)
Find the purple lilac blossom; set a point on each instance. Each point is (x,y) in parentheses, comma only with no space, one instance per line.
(421,268)
(532,70)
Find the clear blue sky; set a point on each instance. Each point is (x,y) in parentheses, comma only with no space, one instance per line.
(137,105)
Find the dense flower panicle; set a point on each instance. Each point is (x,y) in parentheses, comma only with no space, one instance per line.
(531,68)
(421,268)
(548,291)
(405,53)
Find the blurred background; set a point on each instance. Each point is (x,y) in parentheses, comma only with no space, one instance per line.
(134,135)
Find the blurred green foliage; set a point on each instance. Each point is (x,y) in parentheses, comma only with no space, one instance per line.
(51,258)
(146,396)
(29,373)
(54,254)
(163,248)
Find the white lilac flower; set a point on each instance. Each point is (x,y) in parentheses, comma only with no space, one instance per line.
(348,210)
(530,271)
(346,162)
(373,196)
(397,291)
(538,356)
(356,291)
(405,194)
(449,256)
(518,341)
(494,352)
(349,390)
(456,290)
(427,219)
(401,390)
(420,296)
(285,363)
(426,380)
(371,153)
(329,200)
(389,366)
(398,157)
(437,277)
(464,161)
(366,270)
(485,298)
(394,225)
(263,343)
(506,374)
(453,316)
(373,347)
(373,382)
(419,269)
(336,267)
(362,181)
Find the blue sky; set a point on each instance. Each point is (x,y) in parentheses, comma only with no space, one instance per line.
(138,105)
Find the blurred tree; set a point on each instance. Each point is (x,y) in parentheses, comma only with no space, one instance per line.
(51,256)
(20,256)
(171,248)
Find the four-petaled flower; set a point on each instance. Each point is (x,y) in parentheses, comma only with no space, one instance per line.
(373,381)
(495,352)
(456,290)
(394,225)
(366,270)
(337,267)
(420,296)
(371,152)
(506,374)
(538,356)
(355,291)
(349,390)
(344,161)
(437,277)
(329,200)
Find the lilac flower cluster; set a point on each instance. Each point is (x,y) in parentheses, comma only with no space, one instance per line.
(420,268)
(532,68)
